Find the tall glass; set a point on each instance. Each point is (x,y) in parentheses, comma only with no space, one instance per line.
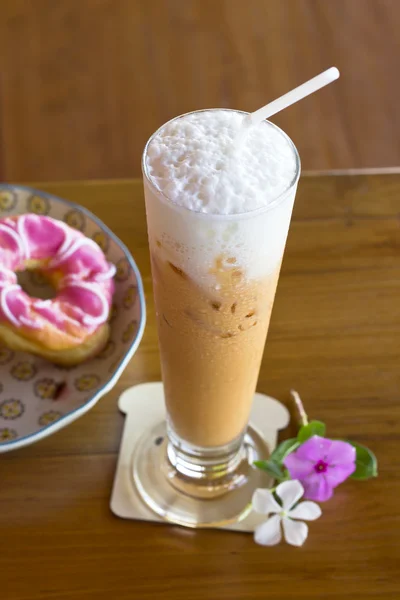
(214,279)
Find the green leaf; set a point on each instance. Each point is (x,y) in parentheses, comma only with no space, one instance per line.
(366,463)
(313,428)
(270,467)
(283,450)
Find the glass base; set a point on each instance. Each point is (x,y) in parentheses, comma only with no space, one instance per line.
(207,493)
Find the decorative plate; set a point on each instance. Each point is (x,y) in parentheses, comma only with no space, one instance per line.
(36,397)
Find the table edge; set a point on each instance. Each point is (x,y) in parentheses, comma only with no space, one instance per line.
(135,180)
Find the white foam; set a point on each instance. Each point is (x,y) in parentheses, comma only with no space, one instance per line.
(198,162)
(182,161)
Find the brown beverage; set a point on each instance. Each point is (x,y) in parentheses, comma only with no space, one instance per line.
(215,273)
(211,347)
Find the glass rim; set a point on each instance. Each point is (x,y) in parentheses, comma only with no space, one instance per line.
(216,216)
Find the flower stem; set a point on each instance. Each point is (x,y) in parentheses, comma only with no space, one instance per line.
(300,407)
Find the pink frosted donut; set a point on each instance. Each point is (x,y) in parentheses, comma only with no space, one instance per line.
(73,326)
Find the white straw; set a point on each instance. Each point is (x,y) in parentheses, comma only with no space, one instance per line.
(307,88)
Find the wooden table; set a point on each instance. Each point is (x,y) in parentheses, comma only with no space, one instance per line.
(84,83)
(335,337)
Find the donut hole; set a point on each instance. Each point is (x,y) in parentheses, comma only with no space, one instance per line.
(36,284)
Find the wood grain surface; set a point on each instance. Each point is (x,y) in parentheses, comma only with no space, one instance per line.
(84,83)
(334,337)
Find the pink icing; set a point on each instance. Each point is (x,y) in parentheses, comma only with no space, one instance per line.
(85,290)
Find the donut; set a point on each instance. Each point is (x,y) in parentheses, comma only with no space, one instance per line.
(71,327)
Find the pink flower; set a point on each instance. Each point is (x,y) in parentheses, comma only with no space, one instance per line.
(321,464)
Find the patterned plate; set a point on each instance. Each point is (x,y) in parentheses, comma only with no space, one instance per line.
(36,397)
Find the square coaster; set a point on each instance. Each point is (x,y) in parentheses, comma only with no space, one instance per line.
(144,407)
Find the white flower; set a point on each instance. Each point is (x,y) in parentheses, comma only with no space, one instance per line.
(295,532)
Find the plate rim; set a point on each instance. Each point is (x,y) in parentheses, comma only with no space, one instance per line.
(81,410)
